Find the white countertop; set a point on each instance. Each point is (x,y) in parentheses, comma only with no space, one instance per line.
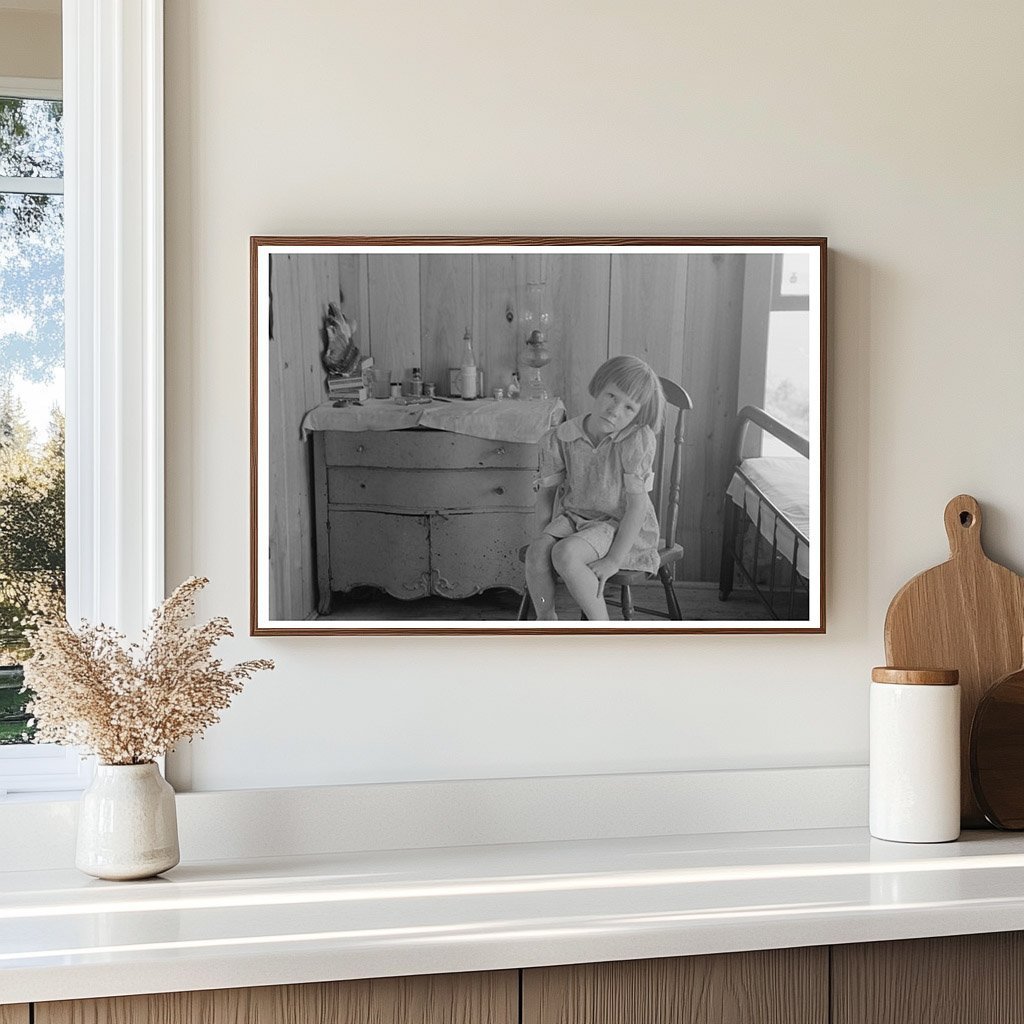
(224,924)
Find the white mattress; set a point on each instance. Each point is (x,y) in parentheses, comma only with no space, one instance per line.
(784,481)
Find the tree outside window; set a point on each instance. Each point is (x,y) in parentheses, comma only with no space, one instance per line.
(32,542)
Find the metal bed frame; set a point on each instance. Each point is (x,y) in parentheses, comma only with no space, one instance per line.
(781,591)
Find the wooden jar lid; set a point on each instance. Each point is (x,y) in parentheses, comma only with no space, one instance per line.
(916,676)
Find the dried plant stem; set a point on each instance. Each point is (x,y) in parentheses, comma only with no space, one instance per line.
(129,703)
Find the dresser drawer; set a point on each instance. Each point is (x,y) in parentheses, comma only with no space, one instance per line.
(425,449)
(494,538)
(430,491)
(381,550)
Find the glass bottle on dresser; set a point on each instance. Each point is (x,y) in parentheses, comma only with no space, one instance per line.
(467,373)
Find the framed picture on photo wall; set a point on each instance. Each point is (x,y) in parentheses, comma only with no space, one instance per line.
(537,435)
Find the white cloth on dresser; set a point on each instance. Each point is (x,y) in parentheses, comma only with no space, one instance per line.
(494,420)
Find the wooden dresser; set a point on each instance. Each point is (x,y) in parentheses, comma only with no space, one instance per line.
(419,512)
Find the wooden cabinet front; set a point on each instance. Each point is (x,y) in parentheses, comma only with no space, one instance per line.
(967,979)
(419,512)
(960,979)
(481,998)
(777,986)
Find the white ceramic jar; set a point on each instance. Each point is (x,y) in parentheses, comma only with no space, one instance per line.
(915,755)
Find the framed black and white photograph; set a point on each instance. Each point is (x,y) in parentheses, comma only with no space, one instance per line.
(537,435)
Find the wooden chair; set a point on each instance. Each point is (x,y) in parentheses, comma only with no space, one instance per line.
(666,505)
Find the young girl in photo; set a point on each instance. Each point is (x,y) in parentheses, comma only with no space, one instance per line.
(601,466)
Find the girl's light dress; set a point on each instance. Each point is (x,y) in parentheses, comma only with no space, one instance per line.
(595,480)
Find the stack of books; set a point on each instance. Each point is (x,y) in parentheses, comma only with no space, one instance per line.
(350,387)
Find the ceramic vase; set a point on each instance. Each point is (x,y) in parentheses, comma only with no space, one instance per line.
(127,825)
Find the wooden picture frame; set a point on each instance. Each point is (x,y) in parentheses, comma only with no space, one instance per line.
(371,515)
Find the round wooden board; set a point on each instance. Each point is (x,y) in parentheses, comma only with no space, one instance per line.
(997,752)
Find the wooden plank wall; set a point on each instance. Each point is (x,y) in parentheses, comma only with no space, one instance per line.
(300,287)
(710,359)
(681,314)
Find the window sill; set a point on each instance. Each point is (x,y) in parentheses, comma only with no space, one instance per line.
(41,797)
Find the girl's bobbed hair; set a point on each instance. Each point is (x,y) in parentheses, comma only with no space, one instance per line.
(639,381)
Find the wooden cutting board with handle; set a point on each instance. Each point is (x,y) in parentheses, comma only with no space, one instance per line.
(967,614)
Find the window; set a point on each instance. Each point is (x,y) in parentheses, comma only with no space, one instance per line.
(32,535)
(786,385)
(31,379)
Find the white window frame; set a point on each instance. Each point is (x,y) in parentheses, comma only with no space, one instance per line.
(785,303)
(114,336)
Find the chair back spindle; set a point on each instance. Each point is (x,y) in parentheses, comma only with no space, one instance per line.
(668,513)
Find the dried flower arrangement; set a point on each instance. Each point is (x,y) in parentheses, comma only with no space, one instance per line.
(130,704)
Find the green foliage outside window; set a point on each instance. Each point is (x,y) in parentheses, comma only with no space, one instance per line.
(13,724)
(31,352)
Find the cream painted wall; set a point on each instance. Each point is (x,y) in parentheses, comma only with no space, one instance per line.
(893,129)
(29,44)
